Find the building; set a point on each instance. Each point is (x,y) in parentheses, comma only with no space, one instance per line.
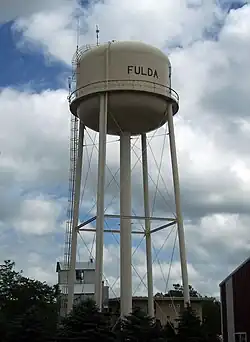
(235,304)
(84,286)
(167,309)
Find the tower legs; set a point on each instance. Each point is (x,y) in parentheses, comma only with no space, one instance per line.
(180,227)
(125,215)
(125,225)
(147,226)
(100,199)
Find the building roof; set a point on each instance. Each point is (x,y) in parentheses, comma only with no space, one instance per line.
(142,298)
(235,271)
(85,265)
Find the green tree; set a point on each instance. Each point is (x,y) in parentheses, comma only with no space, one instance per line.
(28,308)
(189,327)
(86,323)
(177,291)
(211,314)
(138,326)
(169,332)
(211,319)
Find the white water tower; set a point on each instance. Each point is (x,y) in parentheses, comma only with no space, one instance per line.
(123,89)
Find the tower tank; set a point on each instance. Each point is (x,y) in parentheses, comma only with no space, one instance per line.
(137,80)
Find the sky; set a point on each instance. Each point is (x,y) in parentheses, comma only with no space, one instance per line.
(208,43)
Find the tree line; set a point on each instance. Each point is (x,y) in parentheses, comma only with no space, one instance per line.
(29,311)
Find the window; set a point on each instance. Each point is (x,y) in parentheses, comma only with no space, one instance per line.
(79,275)
(240,337)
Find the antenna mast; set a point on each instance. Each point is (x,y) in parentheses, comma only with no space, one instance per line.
(78,32)
(97,35)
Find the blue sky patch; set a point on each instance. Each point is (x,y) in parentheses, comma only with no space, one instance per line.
(229,5)
(26,67)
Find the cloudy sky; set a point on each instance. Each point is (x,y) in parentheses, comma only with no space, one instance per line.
(208,43)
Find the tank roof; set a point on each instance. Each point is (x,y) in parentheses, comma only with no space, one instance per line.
(166,299)
(122,46)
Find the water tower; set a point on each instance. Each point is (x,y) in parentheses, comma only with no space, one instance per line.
(123,89)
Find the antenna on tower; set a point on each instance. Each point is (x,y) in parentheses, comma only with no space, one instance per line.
(97,35)
(78,32)
(78,14)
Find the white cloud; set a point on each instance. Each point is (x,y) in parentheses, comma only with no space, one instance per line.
(33,133)
(38,216)
(174,23)
(56,38)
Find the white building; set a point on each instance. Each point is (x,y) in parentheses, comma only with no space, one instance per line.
(84,286)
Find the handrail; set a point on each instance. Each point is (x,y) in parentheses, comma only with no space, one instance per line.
(85,48)
(170,91)
(80,51)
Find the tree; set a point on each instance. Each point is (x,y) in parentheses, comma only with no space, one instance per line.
(28,308)
(189,327)
(86,323)
(169,332)
(179,292)
(211,319)
(138,326)
(211,315)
